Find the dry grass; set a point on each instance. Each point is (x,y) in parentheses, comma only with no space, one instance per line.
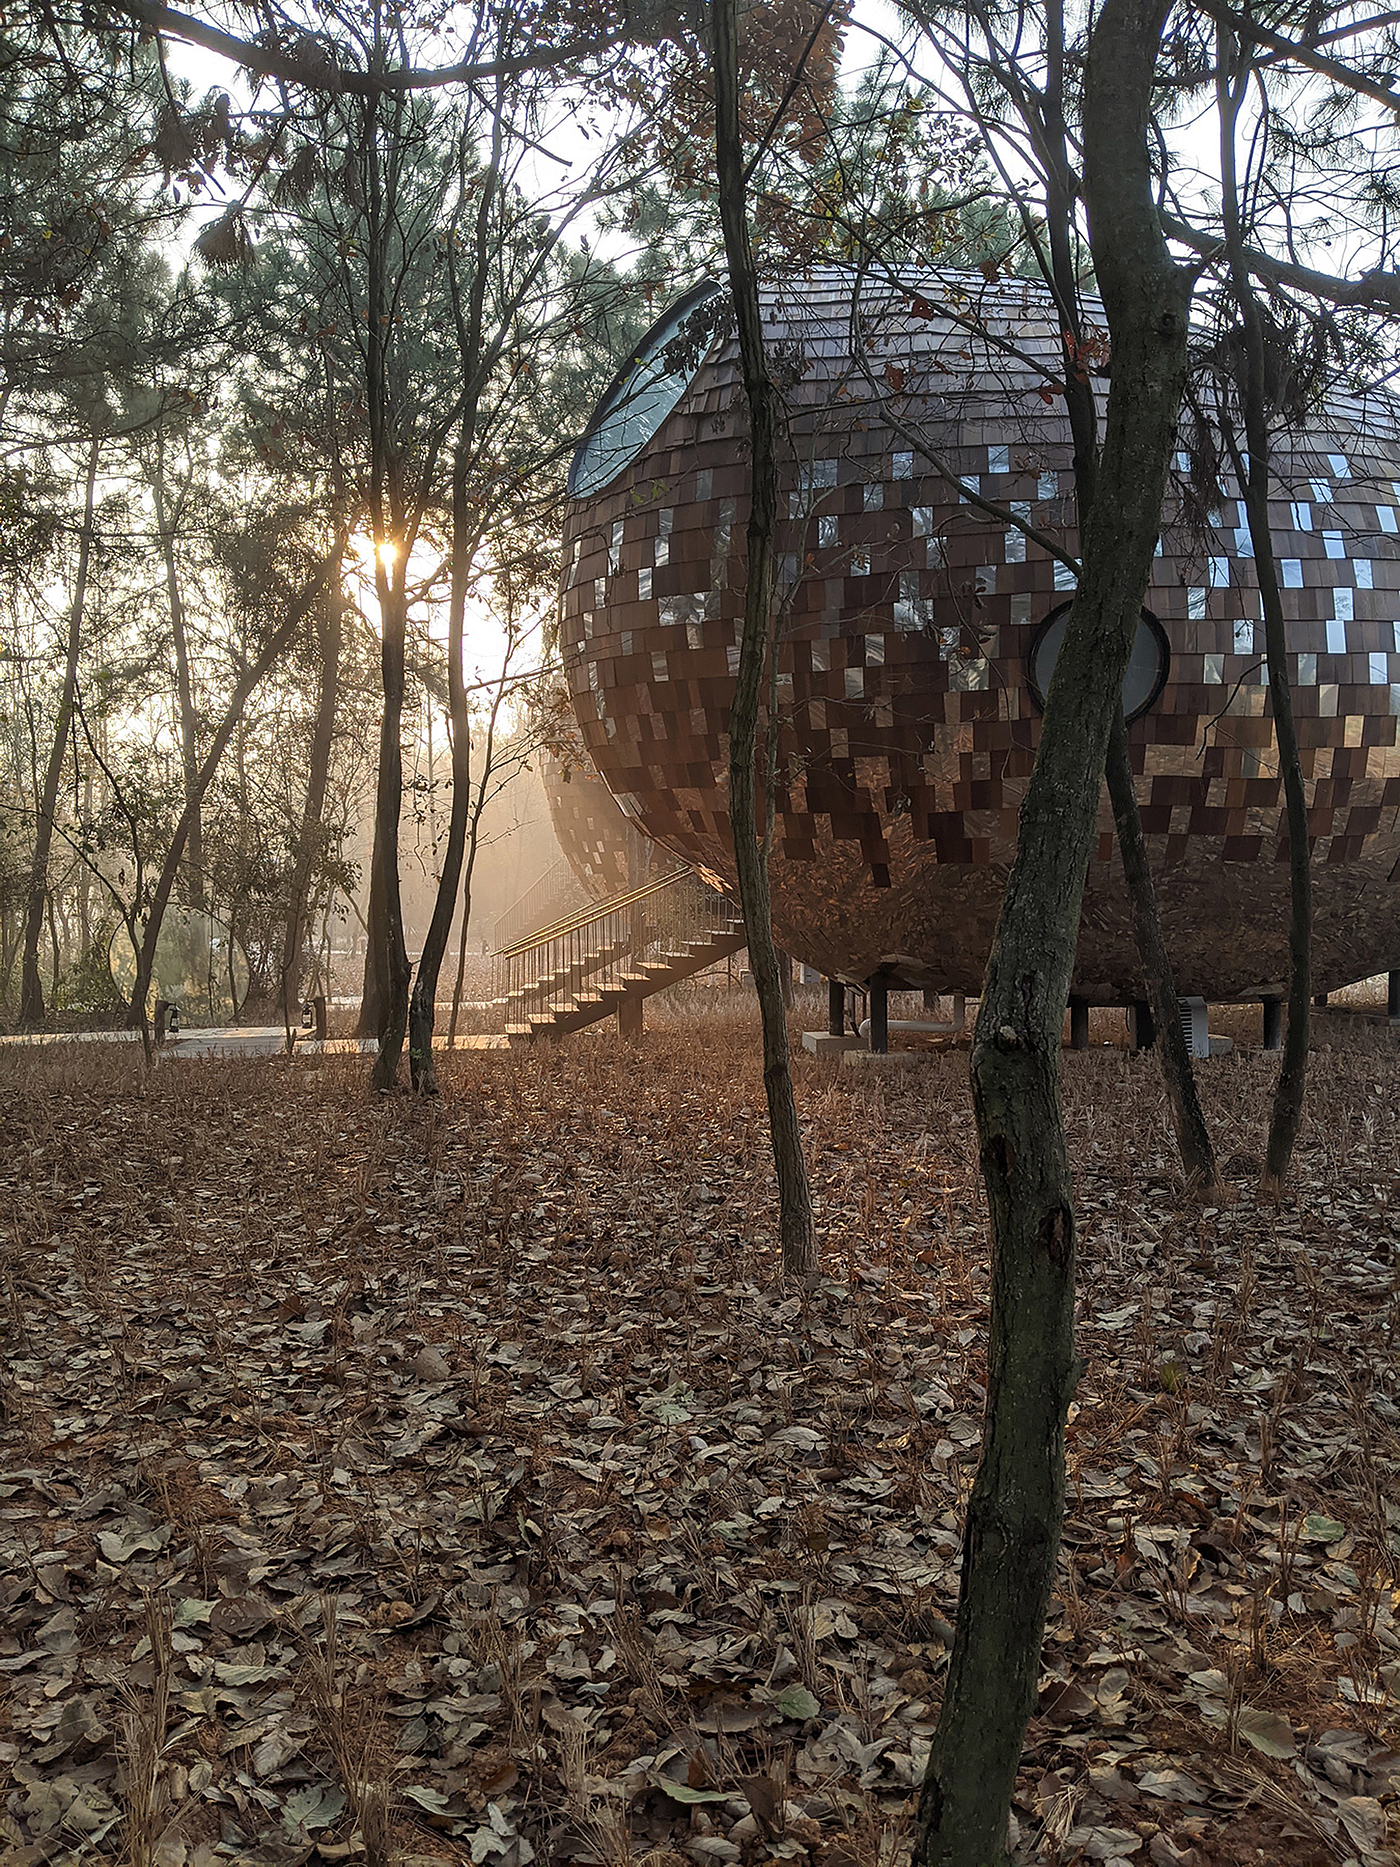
(144,1727)
(351,1725)
(490,1462)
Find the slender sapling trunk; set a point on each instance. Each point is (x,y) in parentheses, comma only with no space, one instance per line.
(796,1231)
(313,807)
(1286,1114)
(1188,1118)
(31,1004)
(1174,1061)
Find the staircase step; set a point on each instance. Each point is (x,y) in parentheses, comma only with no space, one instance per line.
(593,984)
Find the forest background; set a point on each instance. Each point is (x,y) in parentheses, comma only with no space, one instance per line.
(247,331)
(256,497)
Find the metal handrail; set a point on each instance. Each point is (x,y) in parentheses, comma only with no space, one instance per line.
(596,912)
(548,892)
(616,950)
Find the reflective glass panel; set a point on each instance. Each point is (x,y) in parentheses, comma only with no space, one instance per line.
(1147,666)
(641,398)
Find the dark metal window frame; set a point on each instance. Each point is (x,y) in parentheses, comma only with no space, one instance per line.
(1164,658)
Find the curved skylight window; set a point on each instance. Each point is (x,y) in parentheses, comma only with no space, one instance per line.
(644,392)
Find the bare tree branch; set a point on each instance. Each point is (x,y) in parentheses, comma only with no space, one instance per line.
(1293,49)
(308,61)
(1378,290)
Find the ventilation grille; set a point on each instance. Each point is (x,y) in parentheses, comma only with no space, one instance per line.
(1195,1025)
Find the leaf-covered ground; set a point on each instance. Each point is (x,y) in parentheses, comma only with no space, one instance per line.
(454,1483)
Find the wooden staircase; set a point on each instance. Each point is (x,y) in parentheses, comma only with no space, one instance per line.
(546,902)
(611,958)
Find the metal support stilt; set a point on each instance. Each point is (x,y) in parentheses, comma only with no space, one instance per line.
(1273,1024)
(879,1015)
(1079,1023)
(835,1008)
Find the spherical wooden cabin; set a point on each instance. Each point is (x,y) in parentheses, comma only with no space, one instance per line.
(606,851)
(916,633)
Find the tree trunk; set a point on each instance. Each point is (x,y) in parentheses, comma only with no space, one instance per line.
(463,823)
(423,1002)
(1188,1118)
(55,952)
(317,777)
(1286,1115)
(388,948)
(9,944)
(229,962)
(373,992)
(461,973)
(31,1003)
(486,767)
(1017,1502)
(387,971)
(796,1232)
(272,649)
(184,687)
(85,883)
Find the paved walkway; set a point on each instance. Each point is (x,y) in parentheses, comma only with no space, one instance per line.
(253,1040)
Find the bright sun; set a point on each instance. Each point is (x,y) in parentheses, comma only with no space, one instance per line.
(388,551)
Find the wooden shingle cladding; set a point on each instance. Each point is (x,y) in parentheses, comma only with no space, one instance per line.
(908,726)
(608,854)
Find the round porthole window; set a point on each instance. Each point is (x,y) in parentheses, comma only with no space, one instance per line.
(644,391)
(1147,665)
